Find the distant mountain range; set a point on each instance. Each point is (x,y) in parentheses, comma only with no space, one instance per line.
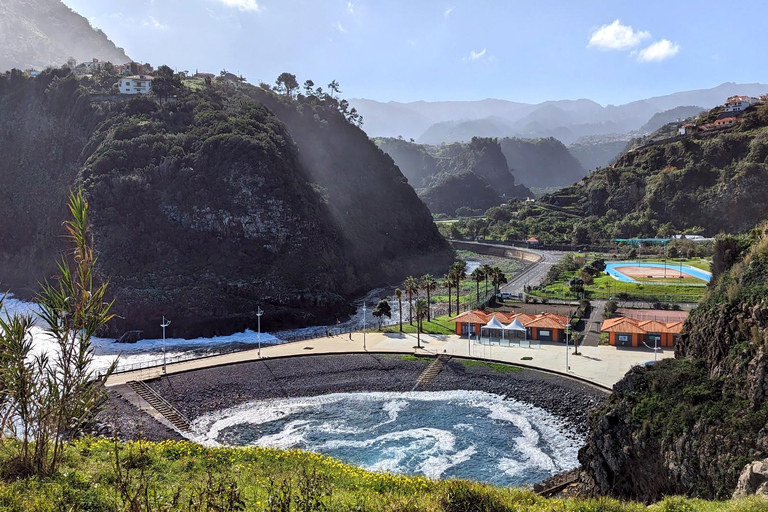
(566,120)
(38,33)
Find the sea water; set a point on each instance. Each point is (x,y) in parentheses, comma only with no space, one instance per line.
(446,434)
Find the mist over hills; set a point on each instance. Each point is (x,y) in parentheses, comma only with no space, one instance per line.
(38,33)
(567,120)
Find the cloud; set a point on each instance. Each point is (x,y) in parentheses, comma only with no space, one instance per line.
(658,51)
(243,5)
(341,28)
(448,12)
(153,23)
(617,37)
(350,8)
(473,55)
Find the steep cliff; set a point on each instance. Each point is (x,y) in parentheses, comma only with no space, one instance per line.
(209,206)
(689,425)
(541,162)
(47,33)
(454,191)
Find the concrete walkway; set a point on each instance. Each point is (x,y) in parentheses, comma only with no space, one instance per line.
(602,365)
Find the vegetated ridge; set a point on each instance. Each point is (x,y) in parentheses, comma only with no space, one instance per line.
(473,176)
(689,425)
(709,182)
(39,33)
(208,206)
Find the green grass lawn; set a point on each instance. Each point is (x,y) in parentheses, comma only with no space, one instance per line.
(181,475)
(439,325)
(496,367)
(604,286)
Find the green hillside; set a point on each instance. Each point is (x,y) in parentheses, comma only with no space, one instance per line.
(209,206)
(100,475)
(715,180)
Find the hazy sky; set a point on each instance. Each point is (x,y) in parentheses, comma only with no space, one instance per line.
(611,51)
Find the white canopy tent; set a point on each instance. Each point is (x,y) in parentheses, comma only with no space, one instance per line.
(515,328)
(493,325)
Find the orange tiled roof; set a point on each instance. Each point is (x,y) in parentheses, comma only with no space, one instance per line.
(630,325)
(653,326)
(675,327)
(472,317)
(548,321)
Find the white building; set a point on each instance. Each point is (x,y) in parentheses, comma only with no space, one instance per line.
(137,84)
(739,103)
(94,65)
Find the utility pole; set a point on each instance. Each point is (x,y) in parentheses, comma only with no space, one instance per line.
(364,310)
(165,323)
(259,312)
(567,332)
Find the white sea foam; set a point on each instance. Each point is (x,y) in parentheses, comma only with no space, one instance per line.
(538,440)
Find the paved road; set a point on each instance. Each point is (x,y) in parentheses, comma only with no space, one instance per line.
(535,273)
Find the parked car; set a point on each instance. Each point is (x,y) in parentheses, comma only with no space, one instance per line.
(504,295)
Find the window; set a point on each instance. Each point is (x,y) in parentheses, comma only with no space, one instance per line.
(544,333)
(623,337)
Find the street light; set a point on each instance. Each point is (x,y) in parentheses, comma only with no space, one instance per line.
(364,310)
(165,323)
(259,312)
(567,333)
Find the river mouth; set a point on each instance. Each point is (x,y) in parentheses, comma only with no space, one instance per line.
(439,434)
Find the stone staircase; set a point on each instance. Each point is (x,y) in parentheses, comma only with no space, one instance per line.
(161,405)
(431,371)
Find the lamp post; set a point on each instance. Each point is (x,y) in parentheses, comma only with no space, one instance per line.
(165,323)
(259,312)
(567,333)
(364,310)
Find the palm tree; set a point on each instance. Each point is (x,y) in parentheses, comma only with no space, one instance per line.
(422,309)
(448,283)
(497,278)
(428,284)
(459,273)
(399,295)
(411,286)
(477,275)
(486,268)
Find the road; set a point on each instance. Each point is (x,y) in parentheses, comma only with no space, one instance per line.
(535,273)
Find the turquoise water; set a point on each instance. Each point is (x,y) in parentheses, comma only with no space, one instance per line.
(445,434)
(610,268)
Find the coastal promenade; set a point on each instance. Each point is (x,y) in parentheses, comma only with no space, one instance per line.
(601,365)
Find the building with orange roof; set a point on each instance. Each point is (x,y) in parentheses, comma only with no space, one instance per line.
(625,331)
(726,121)
(543,327)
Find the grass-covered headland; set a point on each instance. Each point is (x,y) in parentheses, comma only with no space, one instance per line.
(104,475)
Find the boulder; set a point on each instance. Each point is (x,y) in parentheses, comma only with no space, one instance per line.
(753,480)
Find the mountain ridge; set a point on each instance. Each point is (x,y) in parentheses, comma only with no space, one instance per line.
(40,33)
(423,114)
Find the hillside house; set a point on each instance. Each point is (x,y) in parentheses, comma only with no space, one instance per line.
(542,327)
(136,84)
(93,65)
(628,332)
(688,129)
(204,75)
(739,103)
(726,122)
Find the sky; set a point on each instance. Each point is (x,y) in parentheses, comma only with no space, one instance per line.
(610,51)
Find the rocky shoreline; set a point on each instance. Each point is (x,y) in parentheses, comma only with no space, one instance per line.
(203,391)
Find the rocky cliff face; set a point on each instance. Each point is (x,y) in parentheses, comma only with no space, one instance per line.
(205,208)
(690,425)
